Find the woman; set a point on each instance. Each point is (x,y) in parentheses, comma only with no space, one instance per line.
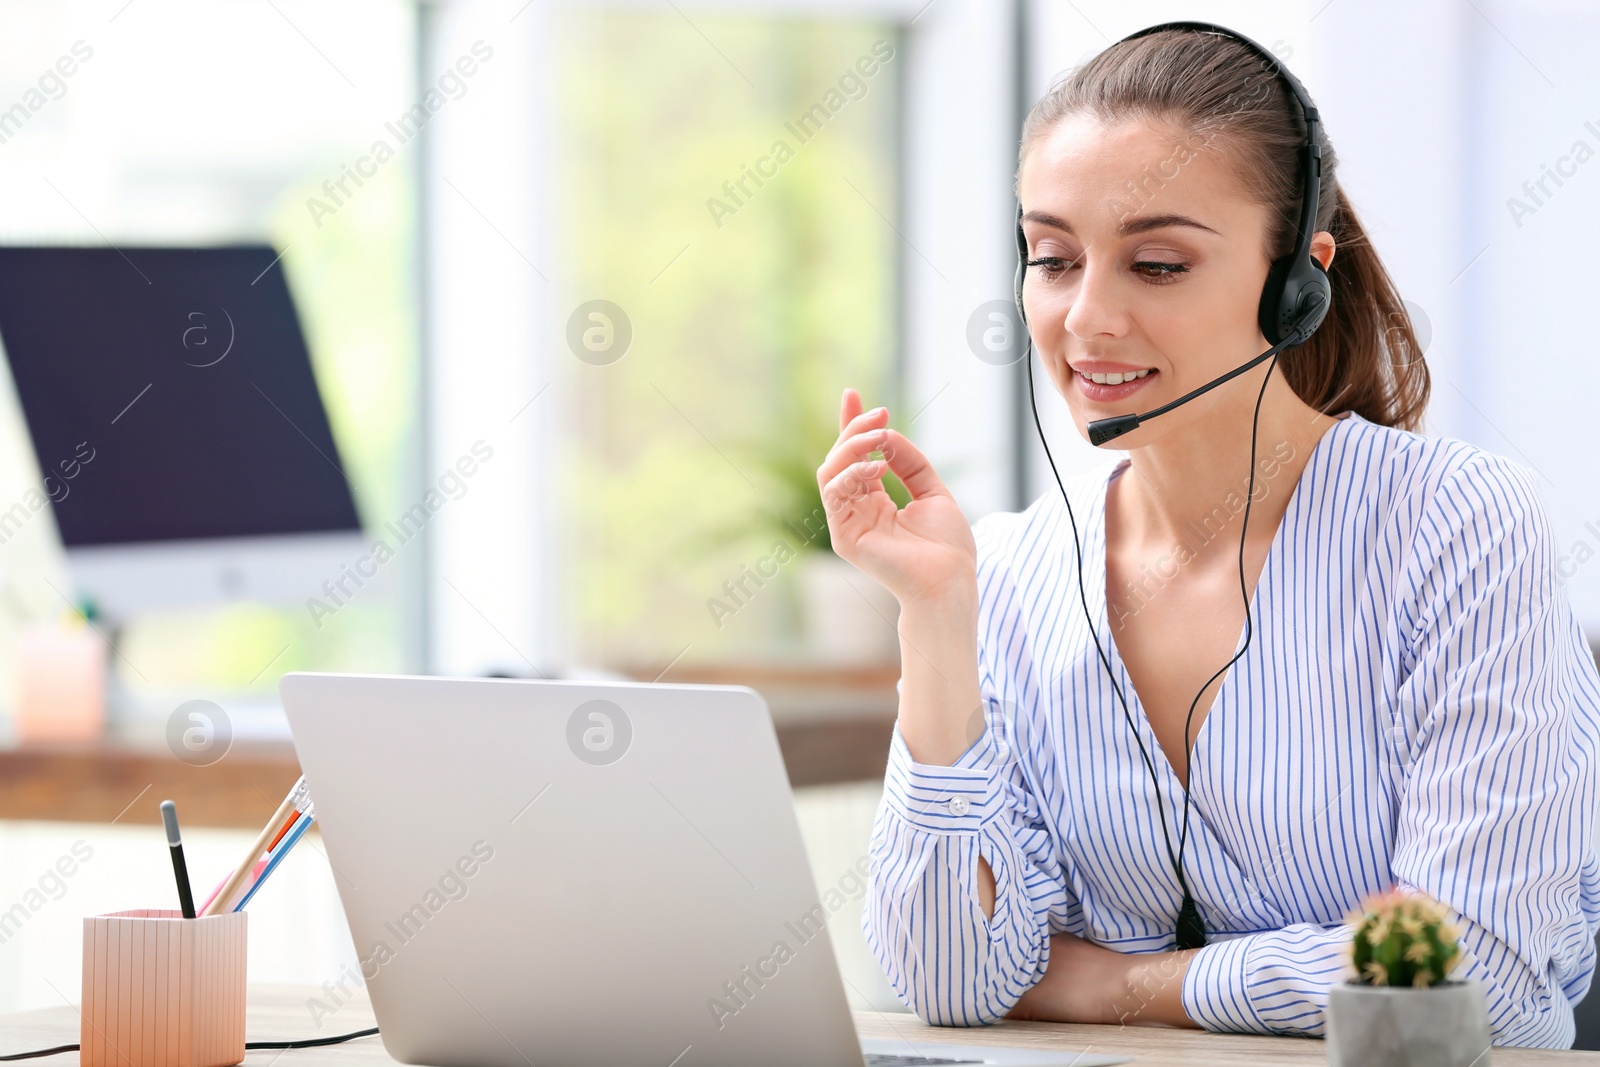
(1412,703)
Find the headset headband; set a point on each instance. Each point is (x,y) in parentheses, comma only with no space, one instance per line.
(1311,152)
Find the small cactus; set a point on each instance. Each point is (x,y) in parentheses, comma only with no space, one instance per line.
(1403,938)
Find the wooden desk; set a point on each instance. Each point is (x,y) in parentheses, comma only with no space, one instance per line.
(279,1013)
(106,780)
(833,726)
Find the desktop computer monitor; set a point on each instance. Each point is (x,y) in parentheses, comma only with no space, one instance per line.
(169,397)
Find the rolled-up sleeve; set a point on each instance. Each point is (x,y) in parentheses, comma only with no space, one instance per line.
(1268,983)
(946,960)
(923,921)
(1497,712)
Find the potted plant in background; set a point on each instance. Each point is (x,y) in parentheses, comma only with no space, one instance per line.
(1402,1009)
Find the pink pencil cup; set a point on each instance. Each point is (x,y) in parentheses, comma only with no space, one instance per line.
(160,990)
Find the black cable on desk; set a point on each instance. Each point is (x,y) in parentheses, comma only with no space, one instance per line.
(42,1052)
(310,1042)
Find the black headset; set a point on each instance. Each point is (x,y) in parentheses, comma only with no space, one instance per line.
(1294,301)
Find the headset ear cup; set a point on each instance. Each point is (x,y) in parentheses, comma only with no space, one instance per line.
(1016,290)
(1293,293)
(1271,312)
(1315,299)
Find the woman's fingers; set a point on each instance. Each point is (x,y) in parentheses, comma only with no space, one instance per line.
(911,466)
(849,407)
(854,482)
(905,459)
(875,419)
(849,450)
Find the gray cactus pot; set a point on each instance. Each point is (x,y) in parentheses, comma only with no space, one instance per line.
(1381,1026)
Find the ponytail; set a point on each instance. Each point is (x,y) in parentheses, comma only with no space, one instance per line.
(1365,356)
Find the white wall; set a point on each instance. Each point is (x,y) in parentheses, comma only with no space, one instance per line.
(1529,367)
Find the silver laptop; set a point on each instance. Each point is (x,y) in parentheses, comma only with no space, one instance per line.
(562,873)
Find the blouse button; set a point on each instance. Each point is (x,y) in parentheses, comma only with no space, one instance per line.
(958,806)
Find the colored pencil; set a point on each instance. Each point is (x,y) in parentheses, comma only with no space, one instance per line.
(280,818)
(277,857)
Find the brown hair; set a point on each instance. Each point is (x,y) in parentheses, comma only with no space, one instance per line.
(1365,356)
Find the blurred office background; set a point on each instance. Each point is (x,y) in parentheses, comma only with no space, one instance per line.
(630,257)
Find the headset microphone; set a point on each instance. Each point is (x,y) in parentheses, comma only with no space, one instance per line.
(1103,430)
(1294,301)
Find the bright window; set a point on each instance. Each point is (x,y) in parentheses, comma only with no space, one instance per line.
(730,192)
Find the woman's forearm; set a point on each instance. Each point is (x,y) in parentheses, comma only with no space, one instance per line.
(1088,983)
(941,713)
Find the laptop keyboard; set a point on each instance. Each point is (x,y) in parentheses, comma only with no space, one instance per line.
(878,1059)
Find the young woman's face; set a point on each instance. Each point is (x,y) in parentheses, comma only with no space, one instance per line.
(1156,264)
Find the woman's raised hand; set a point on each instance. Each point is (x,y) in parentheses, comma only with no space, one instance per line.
(919,552)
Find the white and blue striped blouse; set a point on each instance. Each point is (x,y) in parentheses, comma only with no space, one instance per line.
(1418,706)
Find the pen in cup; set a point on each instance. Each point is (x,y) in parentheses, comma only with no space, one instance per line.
(180,870)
